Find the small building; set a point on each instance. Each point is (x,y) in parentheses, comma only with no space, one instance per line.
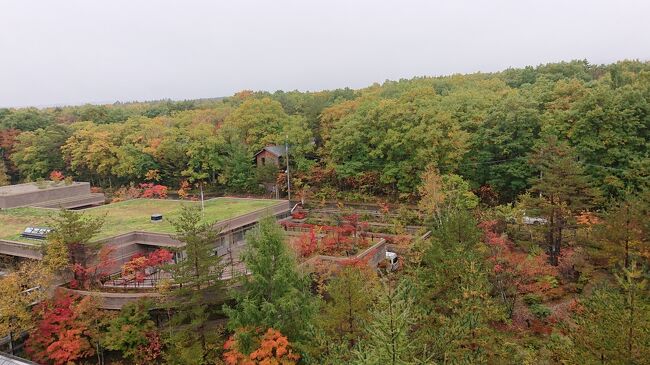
(49,194)
(271,155)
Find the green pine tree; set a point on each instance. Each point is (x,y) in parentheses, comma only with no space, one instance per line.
(198,287)
(274,295)
(128,331)
(351,293)
(388,335)
(453,292)
(613,326)
(561,190)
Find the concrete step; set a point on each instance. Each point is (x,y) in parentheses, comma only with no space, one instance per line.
(74,201)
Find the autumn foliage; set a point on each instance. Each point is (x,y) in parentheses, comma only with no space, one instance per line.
(527,273)
(56,176)
(86,277)
(146,190)
(337,240)
(274,349)
(150,190)
(136,267)
(62,333)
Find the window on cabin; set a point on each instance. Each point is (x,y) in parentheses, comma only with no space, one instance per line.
(263,161)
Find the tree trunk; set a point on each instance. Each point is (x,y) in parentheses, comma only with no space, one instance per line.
(11,342)
(627,236)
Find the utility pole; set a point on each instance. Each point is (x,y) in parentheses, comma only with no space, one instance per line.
(202,203)
(286,150)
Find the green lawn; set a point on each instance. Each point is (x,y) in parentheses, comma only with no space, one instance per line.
(130,215)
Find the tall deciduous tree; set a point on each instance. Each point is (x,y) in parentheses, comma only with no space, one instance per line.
(238,171)
(205,161)
(20,290)
(197,277)
(398,137)
(38,153)
(444,195)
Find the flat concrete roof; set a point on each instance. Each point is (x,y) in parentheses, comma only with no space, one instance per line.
(33,187)
(131,215)
(6,359)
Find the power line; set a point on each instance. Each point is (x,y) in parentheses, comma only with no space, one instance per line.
(494,162)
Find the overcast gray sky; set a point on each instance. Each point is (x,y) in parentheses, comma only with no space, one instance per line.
(72,52)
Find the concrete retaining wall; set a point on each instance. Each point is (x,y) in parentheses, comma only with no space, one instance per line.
(373,255)
(20,249)
(115,300)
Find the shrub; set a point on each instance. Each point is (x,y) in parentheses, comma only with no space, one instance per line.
(532,299)
(56,176)
(540,311)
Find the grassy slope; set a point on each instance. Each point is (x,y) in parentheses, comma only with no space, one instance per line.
(131,215)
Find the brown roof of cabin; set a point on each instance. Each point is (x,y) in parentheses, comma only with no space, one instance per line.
(279,151)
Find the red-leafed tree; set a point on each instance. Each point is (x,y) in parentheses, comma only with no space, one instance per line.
(516,272)
(274,348)
(150,190)
(88,276)
(307,243)
(150,352)
(63,332)
(137,266)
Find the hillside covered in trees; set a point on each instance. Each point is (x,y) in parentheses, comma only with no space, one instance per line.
(534,185)
(368,142)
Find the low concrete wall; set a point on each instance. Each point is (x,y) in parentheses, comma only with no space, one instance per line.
(115,301)
(76,201)
(20,249)
(373,255)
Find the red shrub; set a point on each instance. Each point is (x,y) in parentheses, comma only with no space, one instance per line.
(307,243)
(299,214)
(56,176)
(150,190)
(136,267)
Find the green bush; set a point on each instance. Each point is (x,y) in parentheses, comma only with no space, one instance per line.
(540,311)
(531,299)
(549,279)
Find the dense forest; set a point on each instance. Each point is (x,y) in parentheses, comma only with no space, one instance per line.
(375,141)
(565,146)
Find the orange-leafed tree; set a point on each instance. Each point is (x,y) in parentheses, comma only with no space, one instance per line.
(64,330)
(274,349)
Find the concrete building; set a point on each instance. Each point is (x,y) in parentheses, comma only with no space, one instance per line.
(49,194)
